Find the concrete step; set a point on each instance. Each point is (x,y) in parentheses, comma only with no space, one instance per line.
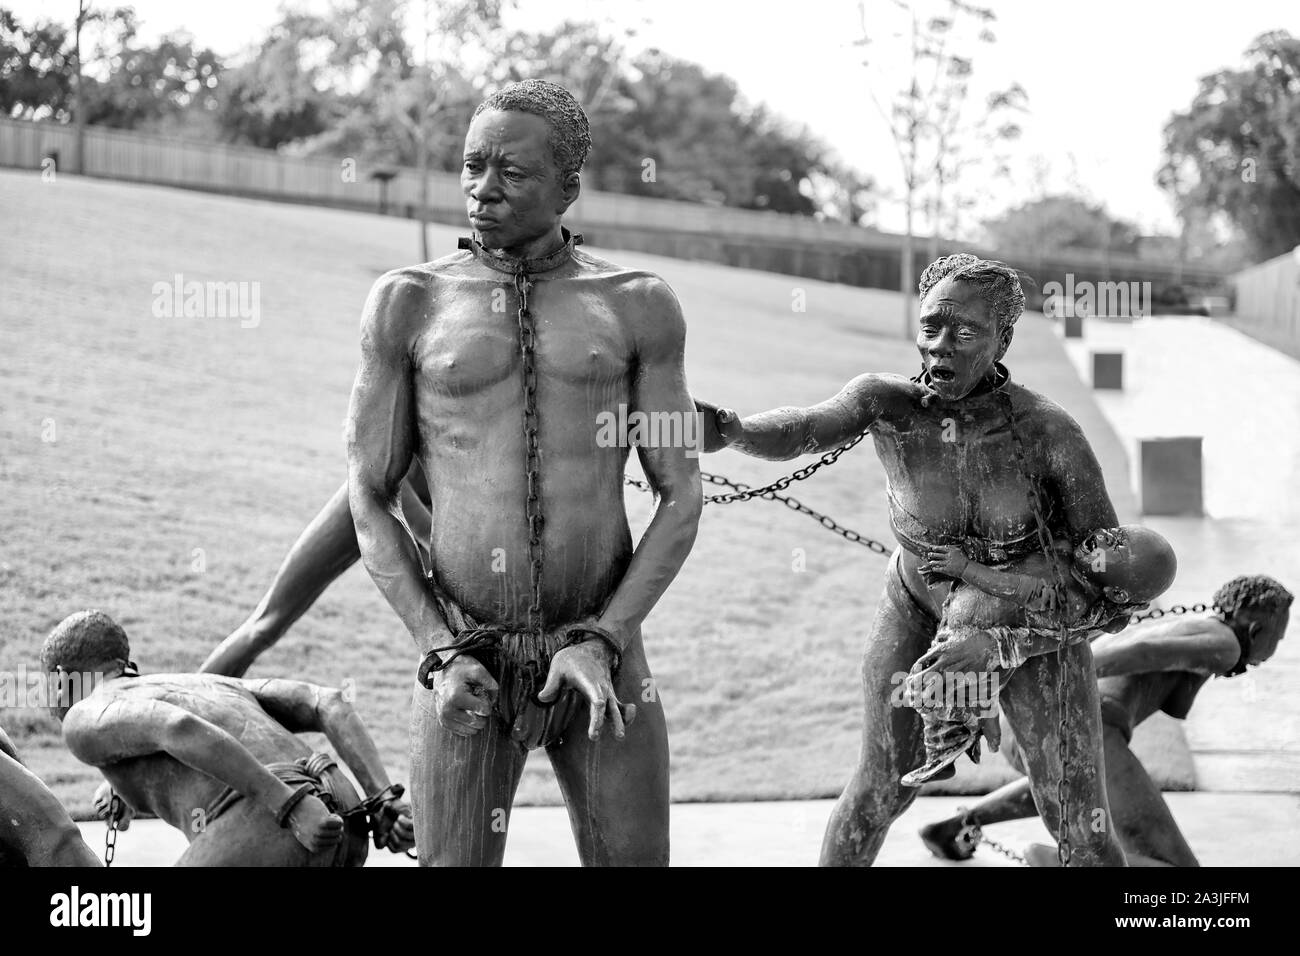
(1223,829)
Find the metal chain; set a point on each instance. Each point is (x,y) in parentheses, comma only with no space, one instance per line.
(973,831)
(1176,609)
(110,838)
(743,492)
(1034,494)
(807,471)
(533,505)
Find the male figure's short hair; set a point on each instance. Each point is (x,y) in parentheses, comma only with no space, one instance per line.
(570,138)
(1253,591)
(999,284)
(82,640)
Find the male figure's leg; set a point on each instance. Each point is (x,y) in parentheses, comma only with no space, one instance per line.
(1011,801)
(246,835)
(1031,704)
(326,548)
(1142,818)
(617,791)
(891,734)
(462,788)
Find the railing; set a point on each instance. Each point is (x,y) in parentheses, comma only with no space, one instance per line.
(247,171)
(798,245)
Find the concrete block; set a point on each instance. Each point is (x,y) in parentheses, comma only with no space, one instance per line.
(1108,370)
(1171,476)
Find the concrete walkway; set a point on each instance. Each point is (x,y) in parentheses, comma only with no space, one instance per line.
(1194,376)
(1224,828)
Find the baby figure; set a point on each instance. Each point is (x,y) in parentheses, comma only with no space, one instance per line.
(1112,572)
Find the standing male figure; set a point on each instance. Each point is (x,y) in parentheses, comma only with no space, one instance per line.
(494,366)
(961,446)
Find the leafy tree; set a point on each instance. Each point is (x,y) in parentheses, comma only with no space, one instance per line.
(148,87)
(35,74)
(1236,150)
(281,94)
(1060,223)
(126,84)
(927,113)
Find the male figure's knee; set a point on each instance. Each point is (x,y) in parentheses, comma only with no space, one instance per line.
(875,805)
(66,847)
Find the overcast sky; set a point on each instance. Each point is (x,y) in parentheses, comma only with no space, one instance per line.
(1102,76)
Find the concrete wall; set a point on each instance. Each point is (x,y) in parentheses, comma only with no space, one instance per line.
(1268,302)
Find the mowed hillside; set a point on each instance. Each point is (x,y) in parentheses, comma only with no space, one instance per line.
(159,468)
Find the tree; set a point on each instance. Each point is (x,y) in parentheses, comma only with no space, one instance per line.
(36,69)
(1236,150)
(281,93)
(1058,224)
(925,115)
(124,83)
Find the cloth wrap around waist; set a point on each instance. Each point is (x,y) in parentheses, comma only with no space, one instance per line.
(321,772)
(519,662)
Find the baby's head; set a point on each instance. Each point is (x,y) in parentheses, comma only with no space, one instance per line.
(1131,564)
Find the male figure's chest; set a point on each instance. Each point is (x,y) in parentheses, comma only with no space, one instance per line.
(473,341)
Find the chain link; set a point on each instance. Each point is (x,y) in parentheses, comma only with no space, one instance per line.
(1035,497)
(110,838)
(533,505)
(743,492)
(1176,609)
(973,831)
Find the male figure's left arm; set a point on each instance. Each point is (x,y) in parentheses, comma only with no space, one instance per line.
(301,707)
(659,385)
(674,473)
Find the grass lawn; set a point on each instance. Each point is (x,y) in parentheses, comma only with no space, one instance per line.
(187,454)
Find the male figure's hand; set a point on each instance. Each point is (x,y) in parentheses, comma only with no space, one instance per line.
(314,826)
(464,694)
(585,668)
(946,560)
(103,802)
(392,827)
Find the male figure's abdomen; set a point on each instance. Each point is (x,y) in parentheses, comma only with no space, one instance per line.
(479,545)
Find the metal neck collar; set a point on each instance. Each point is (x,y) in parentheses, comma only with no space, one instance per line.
(511,265)
(1243,642)
(997,382)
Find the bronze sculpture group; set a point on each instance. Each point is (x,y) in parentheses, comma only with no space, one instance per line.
(491,518)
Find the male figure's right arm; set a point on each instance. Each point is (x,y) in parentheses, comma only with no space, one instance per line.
(1201,647)
(381,441)
(103,735)
(785,433)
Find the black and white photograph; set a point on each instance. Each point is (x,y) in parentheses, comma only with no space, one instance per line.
(559,433)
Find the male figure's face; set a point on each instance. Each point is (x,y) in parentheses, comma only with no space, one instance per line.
(1266,629)
(958,339)
(70,687)
(514,192)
